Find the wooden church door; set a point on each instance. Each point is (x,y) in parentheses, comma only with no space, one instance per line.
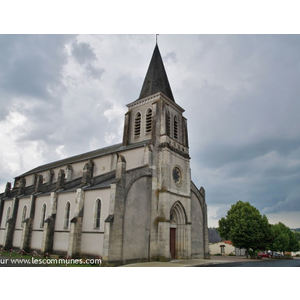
(172,242)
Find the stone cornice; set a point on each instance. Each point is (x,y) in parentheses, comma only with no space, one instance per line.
(154,97)
(174,149)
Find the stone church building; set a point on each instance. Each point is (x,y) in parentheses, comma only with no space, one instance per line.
(132,201)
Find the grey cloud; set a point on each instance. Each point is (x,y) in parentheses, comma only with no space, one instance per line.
(85,55)
(83,52)
(4,104)
(243,127)
(128,88)
(32,64)
(289,203)
(171,56)
(95,72)
(219,154)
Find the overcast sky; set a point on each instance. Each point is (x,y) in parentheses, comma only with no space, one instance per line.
(62,95)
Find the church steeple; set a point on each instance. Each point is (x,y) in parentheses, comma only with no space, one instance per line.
(156,79)
(155,116)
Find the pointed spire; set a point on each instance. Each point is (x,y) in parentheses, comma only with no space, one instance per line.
(156,79)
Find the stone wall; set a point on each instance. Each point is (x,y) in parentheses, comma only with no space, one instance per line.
(137,220)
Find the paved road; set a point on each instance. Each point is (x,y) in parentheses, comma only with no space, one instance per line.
(264,263)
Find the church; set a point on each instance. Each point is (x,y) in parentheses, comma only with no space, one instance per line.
(133,201)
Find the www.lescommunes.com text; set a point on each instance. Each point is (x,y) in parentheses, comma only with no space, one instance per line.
(50,261)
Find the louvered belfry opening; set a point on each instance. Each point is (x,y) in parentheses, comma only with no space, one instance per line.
(149,120)
(137,125)
(175,128)
(168,124)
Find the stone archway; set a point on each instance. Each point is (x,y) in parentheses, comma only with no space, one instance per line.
(178,231)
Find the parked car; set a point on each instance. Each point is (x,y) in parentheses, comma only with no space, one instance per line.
(263,254)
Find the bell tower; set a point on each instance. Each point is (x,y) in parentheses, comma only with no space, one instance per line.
(156,121)
(155,116)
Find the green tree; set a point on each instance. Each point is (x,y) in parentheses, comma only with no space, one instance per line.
(294,243)
(283,239)
(245,227)
(280,237)
(297,237)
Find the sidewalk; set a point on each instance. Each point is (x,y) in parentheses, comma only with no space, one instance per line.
(192,262)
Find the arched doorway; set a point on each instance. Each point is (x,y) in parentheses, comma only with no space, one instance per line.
(177,231)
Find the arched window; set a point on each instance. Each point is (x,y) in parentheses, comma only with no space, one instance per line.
(97,214)
(67,215)
(149,120)
(24,215)
(137,125)
(175,128)
(43,214)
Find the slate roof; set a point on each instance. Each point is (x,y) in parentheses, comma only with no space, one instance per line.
(213,236)
(156,79)
(83,157)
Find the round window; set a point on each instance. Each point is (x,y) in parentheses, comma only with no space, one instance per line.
(177,175)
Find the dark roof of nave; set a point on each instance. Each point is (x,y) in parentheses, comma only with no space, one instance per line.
(156,79)
(98,182)
(83,157)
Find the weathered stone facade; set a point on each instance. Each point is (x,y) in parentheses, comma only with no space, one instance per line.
(132,201)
